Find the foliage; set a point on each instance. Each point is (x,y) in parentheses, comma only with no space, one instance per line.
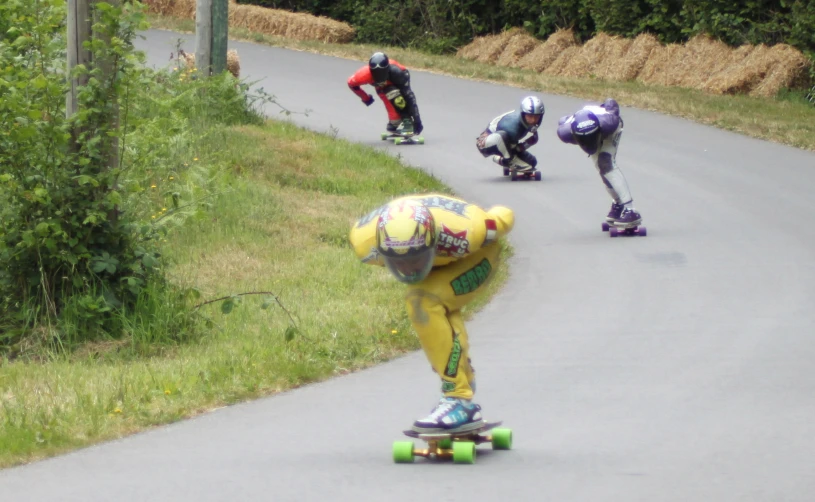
(85,199)
(442,25)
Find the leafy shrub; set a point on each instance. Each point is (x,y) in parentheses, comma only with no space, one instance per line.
(85,200)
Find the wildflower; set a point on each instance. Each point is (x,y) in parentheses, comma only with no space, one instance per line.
(152,186)
(167,392)
(163,209)
(172,178)
(195,158)
(117,410)
(393,332)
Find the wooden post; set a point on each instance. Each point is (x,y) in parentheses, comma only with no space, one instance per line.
(109,72)
(79,31)
(203,36)
(220,34)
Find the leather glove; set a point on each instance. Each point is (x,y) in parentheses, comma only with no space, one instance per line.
(369,101)
(417,127)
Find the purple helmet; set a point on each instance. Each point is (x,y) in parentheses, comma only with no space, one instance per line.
(586,131)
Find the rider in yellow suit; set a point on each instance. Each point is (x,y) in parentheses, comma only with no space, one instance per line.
(446,250)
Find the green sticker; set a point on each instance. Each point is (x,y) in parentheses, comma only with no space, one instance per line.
(470,280)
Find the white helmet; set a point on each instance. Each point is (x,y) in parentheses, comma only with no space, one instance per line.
(532,105)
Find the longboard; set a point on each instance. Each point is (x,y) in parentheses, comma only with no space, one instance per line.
(614,231)
(403,138)
(458,446)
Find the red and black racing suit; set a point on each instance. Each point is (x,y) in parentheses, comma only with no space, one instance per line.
(395,92)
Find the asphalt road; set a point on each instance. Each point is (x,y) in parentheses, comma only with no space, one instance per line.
(675,367)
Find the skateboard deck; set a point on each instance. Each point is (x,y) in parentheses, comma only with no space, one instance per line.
(458,446)
(615,231)
(402,138)
(516,176)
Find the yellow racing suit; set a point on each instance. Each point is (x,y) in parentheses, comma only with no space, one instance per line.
(466,260)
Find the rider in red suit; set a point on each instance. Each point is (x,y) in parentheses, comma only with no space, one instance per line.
(392,83)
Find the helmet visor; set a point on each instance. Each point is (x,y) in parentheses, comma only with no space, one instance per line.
(411,268)
(380,73)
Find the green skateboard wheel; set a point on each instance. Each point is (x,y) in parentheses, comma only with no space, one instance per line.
(397,141)
(502,439)
(446,444)
(385,136)
(403,452)
(420,140)
(463,452)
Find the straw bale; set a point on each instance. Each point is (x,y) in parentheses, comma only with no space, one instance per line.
(633,61)
(582,62)
(539,58)
(562,60)
(472,50)
(516,47)
(296,25)
(658,65)
(790,69)
(233,61)
(175,8)
(740,78)
(614,51)
(702,58)
(487,49)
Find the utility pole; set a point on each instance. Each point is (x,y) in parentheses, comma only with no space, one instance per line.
(79,31)
(203,36)
(220,34)
(211,35)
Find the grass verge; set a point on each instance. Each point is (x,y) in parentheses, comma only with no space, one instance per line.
(280,227)
(787,119)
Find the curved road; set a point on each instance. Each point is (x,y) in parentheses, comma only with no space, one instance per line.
(676,367)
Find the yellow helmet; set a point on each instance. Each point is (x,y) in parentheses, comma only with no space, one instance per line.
(406,239)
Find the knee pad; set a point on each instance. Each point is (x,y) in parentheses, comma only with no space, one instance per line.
(496,144)
(394,95)
(605,163)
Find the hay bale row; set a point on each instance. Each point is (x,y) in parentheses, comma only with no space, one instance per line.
(294,25)
(702,63)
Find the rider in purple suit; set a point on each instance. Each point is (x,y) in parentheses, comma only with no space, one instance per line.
(597,130)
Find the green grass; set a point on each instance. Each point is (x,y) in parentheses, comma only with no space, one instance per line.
(279,227)
(787,119)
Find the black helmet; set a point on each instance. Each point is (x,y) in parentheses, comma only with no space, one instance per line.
(380,67)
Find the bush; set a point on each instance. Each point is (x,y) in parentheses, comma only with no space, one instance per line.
(80,235)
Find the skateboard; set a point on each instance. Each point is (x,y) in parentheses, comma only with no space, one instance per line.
(457,446)
(403,138)
(515,176)
(614,231)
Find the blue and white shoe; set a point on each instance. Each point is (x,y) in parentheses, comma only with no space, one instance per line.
(451,415)
(629,218)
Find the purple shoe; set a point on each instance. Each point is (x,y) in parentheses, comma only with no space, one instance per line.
(616,211)
(628,218)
